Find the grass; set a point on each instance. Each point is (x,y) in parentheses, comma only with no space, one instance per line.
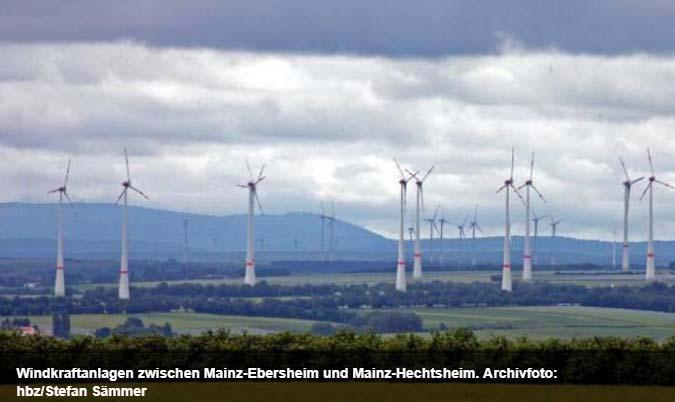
(552,321)
(381,392)
(512,322)
(183,322)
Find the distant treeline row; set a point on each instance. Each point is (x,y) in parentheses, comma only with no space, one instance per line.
(335,303)
(581,361)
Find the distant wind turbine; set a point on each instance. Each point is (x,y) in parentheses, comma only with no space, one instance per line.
(535,220)
(527,255)
(554,227)
(506,266)
(252,186)
(625,258)
(400,262)
(123,292)
(323,218)
(417,260)
(59,282)
(650,271)
(432,226)
(442,221)
(461,234)
(474,225)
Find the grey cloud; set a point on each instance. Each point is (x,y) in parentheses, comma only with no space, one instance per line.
(428,28)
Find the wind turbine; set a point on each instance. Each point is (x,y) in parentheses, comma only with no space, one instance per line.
(625,260)
(411,231)
(60,283)
(506,266)
(417,264)
(124,262)
(535,220)
(400,263)
(442,221)
(461,236)
(432,226)
(331,231)
(252,186)
(185,245)
(323,218)
(554,227)
(613,248)
(650,273)
(474,225)
(527,255)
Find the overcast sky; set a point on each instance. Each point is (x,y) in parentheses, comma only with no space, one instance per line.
(327,93)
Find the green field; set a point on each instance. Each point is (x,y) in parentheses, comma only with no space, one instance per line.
(182,322)
(553,321)
(381,392)
(533,322)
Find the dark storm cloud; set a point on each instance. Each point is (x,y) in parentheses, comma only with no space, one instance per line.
(382,27)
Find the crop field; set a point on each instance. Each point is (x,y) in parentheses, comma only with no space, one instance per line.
(512,322)
(382,391)
(552,321)
(183,322)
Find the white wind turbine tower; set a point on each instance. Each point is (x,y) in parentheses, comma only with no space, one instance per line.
(442,221)
(474,225)
(432,226)
(419,182)
(252,186)
(124,262)
(554,227)
(527,254)
(461,234)
(506,266)
(625,259)
(60,283)
(400,262)
(650,273)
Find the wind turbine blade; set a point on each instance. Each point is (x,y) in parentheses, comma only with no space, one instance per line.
(422,196)
(56,190)
(411,173)
(248,167)
(475,213)
(664,184)
(427,173)
(532,166)
(500,188)
(242,185)
(645,192)
(523,185)
(70,202)
(399,169)
(126,161)
(637,180)
(139,192)
(538,193)
(466,218)
(479,229)
(515,190)
(436,213)
(260,175)
(255,193)
(625,171)
(259,179)
(120,197)
(512,161)
(651,164)
(65,182)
